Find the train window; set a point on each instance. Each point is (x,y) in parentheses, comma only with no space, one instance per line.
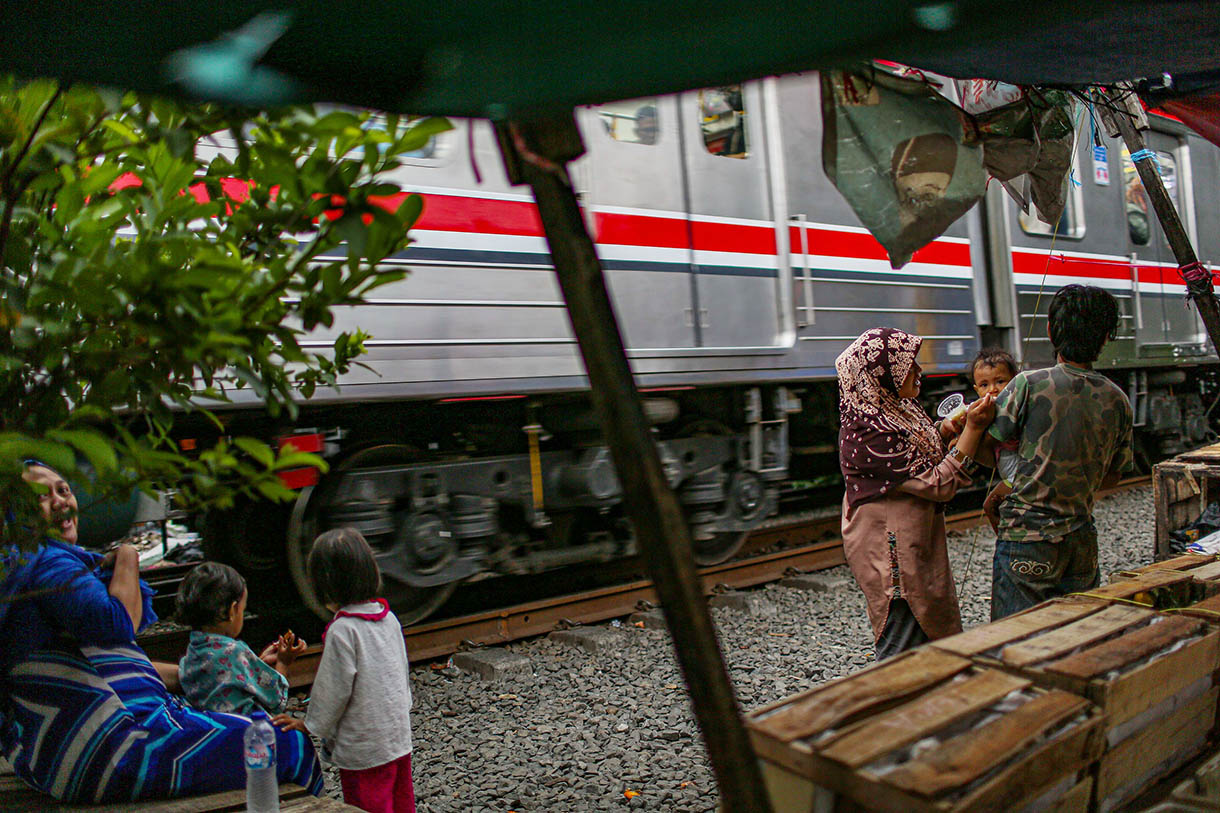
(1135,197)
(429,153)
(1071,222)
(722,118)
(634,122)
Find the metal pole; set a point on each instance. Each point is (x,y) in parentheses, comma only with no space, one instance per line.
(1198,279)
(536,152)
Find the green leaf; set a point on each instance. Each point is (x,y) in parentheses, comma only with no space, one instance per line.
(257,449)
(96,448)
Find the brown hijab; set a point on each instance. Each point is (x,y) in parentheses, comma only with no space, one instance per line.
(883,439)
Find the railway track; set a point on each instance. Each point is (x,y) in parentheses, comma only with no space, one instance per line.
(805,545)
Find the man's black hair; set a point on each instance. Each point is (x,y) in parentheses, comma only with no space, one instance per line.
(1082,319)
(207,592)
(342,568)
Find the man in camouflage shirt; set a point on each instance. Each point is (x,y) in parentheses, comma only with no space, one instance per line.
(1073,427)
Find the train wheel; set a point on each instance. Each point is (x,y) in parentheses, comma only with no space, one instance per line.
(410,604)
(719,548)
(716,547)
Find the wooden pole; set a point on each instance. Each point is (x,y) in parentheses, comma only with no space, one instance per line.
(536,152)
(1198,279)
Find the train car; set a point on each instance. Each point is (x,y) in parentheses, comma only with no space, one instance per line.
(466,447)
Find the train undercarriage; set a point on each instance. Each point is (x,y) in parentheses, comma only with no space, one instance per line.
(455,491)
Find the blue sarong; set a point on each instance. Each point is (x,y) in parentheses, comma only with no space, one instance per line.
(96,724)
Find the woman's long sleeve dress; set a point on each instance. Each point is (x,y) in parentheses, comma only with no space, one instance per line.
(895,546)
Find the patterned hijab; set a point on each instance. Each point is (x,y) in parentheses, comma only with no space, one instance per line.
(883,439)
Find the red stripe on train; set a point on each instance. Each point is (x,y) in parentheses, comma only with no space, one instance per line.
(1059,265)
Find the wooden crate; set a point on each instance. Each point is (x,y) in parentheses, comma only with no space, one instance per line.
(1182,488)
(1003,741)
(1151,674)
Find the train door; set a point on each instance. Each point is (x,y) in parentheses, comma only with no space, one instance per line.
(1164,324)
(631,182)
(736,265)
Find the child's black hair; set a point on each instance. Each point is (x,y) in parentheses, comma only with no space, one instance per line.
(1082,319)
(994,357)
(342,568)
(207,592)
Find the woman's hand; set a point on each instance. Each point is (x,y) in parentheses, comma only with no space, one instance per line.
(950,427)
(981,413)
(286,722)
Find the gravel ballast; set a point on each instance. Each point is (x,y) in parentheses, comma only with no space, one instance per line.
(614,730)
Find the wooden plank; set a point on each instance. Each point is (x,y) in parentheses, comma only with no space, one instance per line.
(1205,573)
(964,758)
(1126,588)
(989,636)
(1208,609)
(1183,562)
(1151,683)
(1207,454)
(26,799)
(1154,744)
(1079,633)
(921,717)
(846,699)
(319,804)
(1118,652)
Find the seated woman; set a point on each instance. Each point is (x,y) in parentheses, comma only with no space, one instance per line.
(84,715)
(898,476)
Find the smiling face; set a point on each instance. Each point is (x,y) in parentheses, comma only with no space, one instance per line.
(911,384)
(58,503)
(991,379)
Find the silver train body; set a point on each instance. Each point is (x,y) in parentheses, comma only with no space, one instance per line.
(467,447)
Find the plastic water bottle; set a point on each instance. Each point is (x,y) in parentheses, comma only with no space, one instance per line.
(262,789)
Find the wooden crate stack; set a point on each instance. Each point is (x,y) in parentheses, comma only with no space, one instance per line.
(1151,674)
(1182,488)
(929,731)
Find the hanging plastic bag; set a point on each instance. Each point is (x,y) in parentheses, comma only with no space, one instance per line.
(897,151)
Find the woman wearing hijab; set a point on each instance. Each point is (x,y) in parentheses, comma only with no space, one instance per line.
(898,476)
(84,715)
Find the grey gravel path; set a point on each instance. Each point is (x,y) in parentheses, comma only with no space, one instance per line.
(582,729)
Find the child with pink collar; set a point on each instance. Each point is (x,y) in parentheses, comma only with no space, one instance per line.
(360,706)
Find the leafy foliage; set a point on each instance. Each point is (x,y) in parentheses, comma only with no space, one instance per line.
(155,257)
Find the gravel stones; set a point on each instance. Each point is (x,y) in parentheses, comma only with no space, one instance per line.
(580,729)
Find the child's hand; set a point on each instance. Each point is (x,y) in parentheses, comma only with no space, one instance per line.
(268,655)
(981,413)
(286,722)
(289,647)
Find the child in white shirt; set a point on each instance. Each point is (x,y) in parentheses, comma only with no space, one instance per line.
(360,706)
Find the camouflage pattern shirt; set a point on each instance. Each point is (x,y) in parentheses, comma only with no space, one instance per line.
(1073,427)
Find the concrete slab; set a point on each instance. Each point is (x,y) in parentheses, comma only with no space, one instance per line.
(814,582)
(594,640)
(492,664)
(748,603)
(650,619)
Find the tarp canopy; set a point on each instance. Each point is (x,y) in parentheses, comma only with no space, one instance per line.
(494,58)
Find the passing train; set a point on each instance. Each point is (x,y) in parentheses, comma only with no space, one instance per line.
(467,447)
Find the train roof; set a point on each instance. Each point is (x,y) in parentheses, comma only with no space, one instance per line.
(495,57)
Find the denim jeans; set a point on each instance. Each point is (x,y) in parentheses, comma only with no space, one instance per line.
(1024,574)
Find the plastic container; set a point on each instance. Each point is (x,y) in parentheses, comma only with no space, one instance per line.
(262,787)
